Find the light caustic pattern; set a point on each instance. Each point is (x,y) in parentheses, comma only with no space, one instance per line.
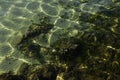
(16,16)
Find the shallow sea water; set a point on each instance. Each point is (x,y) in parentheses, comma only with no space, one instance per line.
(17,15)
(15,18)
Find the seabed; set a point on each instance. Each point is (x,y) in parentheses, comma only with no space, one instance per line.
(59,40)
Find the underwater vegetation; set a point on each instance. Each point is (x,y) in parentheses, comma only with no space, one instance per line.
(85,46)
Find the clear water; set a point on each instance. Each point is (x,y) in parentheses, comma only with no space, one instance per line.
(16,16)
